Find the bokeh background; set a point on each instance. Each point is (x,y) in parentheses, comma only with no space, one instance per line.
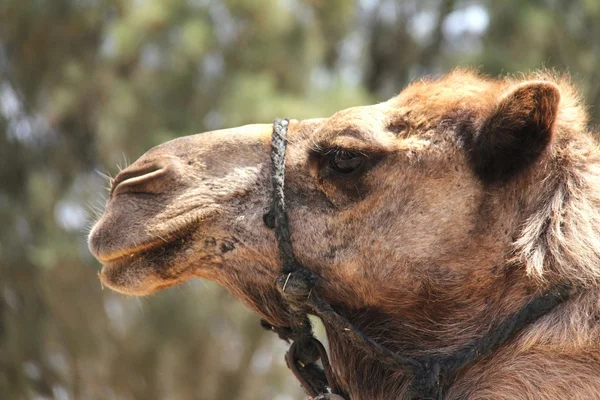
(86,86)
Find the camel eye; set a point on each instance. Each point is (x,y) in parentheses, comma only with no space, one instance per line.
(344,162)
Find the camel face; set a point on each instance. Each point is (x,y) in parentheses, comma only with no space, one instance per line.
(192,206)
(428,219)
(380,198)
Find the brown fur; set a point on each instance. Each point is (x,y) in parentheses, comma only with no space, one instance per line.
(423,251)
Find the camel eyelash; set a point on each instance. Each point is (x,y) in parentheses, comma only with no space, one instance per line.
(341,163)
(339,152)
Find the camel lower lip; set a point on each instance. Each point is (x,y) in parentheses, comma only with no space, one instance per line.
(119,267)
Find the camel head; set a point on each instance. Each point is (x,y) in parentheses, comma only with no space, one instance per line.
(416,206)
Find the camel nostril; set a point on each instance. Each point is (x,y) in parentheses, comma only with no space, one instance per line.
(132,179)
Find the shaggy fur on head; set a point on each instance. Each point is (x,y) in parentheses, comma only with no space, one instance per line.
(467,197)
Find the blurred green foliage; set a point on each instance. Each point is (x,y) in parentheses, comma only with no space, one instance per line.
(86,85)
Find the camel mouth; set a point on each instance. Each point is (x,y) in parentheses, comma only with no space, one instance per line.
(147,268)
(157,244)
(136,261)
(109,244)
(125,253)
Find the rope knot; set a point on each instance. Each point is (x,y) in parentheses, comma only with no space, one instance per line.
(306,351)
(427,380)
(296,287)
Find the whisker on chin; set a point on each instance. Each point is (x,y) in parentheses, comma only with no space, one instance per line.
(101,283)
(139,303)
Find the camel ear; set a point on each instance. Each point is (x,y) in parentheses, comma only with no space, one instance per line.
(517,132)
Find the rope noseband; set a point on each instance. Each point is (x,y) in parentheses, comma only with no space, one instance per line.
(432,376)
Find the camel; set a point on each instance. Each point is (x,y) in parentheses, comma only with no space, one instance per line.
(428,219)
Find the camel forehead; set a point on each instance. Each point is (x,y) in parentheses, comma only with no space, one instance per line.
(426,105)
(365,123)
(417,110)
(458,96)
(459,88)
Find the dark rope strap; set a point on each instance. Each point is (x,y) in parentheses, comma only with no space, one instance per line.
(278,212)
(495,338)
(432,376)
(437,375)
(301,358)
(305,350)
